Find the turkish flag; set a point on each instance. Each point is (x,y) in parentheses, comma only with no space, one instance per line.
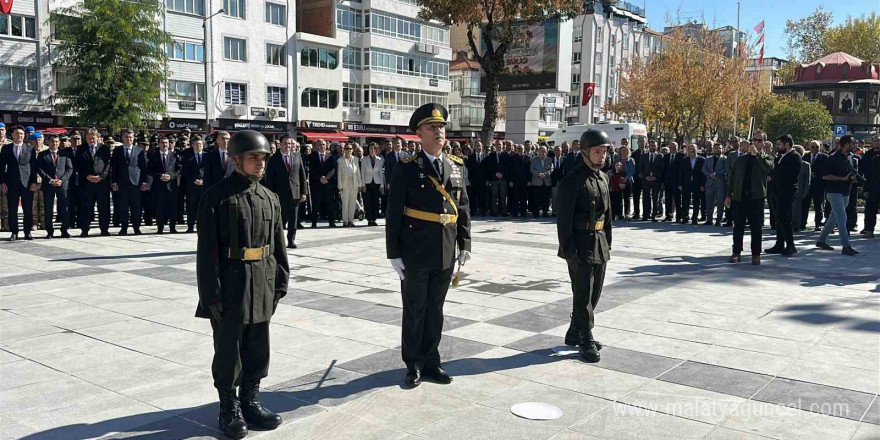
(589,89)
(6,6)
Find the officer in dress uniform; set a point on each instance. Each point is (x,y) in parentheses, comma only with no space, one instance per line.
(242,271)
(584,228)
(428,217)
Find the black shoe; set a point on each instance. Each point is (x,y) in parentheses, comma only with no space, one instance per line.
(789,252)
(413,378)
(571,336)
(654,220)
(695,221)
(667,219)
(332,224)
(65,234)
(373,223)
(870,234)
(774,250)
(253,411)
(84,234)
(173,230)
(28,236)
(159,231)
(644,219)
(708,223)
(734,258)
(588,349)
(122,233)
(291,245)
(300,226)
(824,245)
(863,232)
(756,259)
(438,375)
(105,233)
(49,235)
(231,421)
(314,225)
(137,231)
(848,250)
(13,237)
(190,230)
(817,229)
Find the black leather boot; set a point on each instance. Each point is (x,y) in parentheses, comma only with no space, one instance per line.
(230,420)
(587,346)
(572,339)
(253,410)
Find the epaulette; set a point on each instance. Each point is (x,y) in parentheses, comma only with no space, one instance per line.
(407,159)
(456,159)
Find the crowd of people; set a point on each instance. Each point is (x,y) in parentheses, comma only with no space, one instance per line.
(153,178)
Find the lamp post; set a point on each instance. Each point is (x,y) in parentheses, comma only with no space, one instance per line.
(209,86)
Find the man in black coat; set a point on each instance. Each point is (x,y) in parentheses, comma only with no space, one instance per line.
(194,182)
(671,174)
(495,173)
(55,168)
(93,168)
(322,184)
(691,183)
(73,191)
(871,169)
(218,166)
(286,177)
(130,179)
(519,175)
(476,179)
(784,179)
(816,196)
(651,174)
(164,168)
(18,178)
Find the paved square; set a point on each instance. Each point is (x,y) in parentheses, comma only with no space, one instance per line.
(98,340)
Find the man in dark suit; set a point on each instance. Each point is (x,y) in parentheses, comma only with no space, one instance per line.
(93,167)
(73,191)
(286,177)
(494,171)
(194,182)
(163,168)
(852,216)
(322,183)
(55,168)
(651,173)
(476,179)
(672,195)
(519,175)
(18,177)
(816,196)
(556,175)
(691,184)
(130,179)
(218,165)
(784,179)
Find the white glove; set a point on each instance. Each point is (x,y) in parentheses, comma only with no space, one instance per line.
(397,264)
(463,257)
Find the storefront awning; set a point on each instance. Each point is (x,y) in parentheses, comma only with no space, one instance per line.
(409,137)
(369,135)
(54,130)
(332,136)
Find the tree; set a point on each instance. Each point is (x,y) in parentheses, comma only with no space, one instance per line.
(114,53)
(806,37)
(803,120)
(859,37)
(497,22)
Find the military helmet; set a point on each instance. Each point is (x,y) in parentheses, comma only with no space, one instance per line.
(247,141)
(594,138)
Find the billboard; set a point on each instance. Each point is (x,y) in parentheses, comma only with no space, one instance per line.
(541,60)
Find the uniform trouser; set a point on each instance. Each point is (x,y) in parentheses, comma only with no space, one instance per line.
(323,202)
(129,205)
(93,193)
(691,194)
(672,200)
(290,216)
(715,195)
(166,208)
(751,211)
(477,195)
(49,197)
(73,200)
(193,197)
(372,201)
(871,210)
(852,217)
(637,196)
(241,352)
(348,197)
(837,218)
(651,199)
(540,199)
(518,197)
(586,286)
(15,193)
(784,231)
(424,292)
(498,197)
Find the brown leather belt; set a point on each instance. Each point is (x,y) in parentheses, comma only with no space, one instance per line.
(249,254)
(443,219)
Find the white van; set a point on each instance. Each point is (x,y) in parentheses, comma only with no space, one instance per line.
(615,130)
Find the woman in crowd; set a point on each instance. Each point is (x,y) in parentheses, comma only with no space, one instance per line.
(629,170)
(349,183)
(618,183)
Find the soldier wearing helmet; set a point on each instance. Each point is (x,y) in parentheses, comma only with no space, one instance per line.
(584,227)
(242,273)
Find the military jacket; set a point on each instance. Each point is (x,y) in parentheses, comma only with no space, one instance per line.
(422,243)
(583,200)
(236,209)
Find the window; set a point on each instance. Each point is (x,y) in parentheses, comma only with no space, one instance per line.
(234,49)
(186,91)
(578,34)
(400,27)
(405,64)
(20,26)
(351,95)
(233,8)
(598,36)
(597,79)
(276,54)
(349,19)
(236,93)
(320,98)
(323,58)
(625,42)
(400,99)
(189,6)
(351,58)
(575,78)
(186,51)
(276,96)
(576,57)
(276,14)
(18,79)
(573,100)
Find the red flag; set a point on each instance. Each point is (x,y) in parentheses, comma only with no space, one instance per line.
(761,57)
(5,6)
(760,40)
(589,89)
(759,29)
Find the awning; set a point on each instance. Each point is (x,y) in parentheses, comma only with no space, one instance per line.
(409,137)
(332,136)
(361,134)
(54,130)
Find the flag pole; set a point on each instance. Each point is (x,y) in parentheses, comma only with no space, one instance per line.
(738,49)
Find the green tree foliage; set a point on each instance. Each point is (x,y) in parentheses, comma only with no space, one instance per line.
(806,37)
(803,120)
(114,53)
(859,37)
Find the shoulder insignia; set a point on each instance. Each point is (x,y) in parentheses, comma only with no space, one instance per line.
(407,159)
(456,159)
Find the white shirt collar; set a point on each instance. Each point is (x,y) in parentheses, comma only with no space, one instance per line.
(432,158)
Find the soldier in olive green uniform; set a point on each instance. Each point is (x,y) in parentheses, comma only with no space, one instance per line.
(242,274)
(584,227)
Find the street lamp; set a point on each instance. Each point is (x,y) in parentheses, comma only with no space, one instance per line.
(209,86)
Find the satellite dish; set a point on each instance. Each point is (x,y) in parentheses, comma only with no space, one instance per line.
(536,411)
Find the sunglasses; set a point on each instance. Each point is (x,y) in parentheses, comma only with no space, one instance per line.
(347,148)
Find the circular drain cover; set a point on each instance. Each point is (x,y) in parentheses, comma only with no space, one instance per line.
(536,411)
(564,350)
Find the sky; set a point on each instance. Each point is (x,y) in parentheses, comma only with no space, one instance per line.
(773,12)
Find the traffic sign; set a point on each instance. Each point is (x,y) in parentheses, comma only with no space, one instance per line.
(839,130)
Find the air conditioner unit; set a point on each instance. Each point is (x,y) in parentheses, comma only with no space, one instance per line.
(420,47)
(273,113)
(239,110)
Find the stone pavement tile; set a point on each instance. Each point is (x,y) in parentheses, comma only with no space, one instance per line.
(167,274)
(183,319)
(857,379)
(453,349)
(386,365)
(538,344)
(39,397)
(528,322)
(729,434)
(198,356)
(575,406)
(559,309)
(714,378)
(354,328)
(472,387)
(330,388)
(285,339)
(743,360)
(356,308)
(620,421)
(128,329)
(482,423)
(138,372)
(289,409)
(489,333)
(682,401)
(636,362)
(674,348)
(179,393)
(168,341)
(41,348)
(93,417)
(784,423)
(28,299)
(504,361)
(7,357)
(25,372)
(150,307)
(169,428)
(23,328)
(837,402)
(541,296)
(403,409)
(296,296)
(472,312)
(867,431)
(336,425)
(849,358)
(333,288)
(334,348)
(584,378)
(11,429)
(291,315)
(873,413)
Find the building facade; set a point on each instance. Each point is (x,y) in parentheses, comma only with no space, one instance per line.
(767,72)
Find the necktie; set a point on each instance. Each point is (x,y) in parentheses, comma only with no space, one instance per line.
(55,158)
(287,162)
(17,152)
(439,168)
(164,160)
(93,150)
(397,157)
(127,154)
(199,159)
(223,158)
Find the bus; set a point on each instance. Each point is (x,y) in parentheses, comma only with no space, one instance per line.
(615,130)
